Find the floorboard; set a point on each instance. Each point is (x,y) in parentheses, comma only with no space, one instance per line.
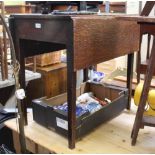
(111,137)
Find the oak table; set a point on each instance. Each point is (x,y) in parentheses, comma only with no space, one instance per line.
(89,40)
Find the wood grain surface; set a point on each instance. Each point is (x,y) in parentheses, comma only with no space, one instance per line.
(95,38)
(144,19)
(52,83)
(99,40)
(112,137)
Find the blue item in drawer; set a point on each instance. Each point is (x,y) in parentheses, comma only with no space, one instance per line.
(79,110)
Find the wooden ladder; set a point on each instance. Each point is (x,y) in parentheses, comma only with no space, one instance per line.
(140,119)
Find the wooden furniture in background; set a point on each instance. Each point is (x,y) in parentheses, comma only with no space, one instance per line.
(141,120)
(3,46)
(5,54)
(48,58)
(9,9)
(44,59)
(107,38)
(53,81)
(147,8)
(142,66)
(114,7)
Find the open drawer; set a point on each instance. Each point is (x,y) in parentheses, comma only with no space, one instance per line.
(55,119)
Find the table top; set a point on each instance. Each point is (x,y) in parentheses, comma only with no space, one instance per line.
(50,15)
(103,16)
(146,19)
(95,38)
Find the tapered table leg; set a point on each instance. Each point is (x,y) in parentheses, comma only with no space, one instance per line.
(71,95)
(139,60)
(85,74)
(130,77)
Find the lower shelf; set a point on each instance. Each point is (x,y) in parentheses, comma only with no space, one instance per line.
(149,121)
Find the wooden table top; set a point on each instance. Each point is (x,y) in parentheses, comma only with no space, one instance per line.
(146,19)
(95,38)
(95,16)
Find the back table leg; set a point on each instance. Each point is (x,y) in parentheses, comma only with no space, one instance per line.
(130,77)
(85,75)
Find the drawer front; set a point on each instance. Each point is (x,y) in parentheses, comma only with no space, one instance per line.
(43,30)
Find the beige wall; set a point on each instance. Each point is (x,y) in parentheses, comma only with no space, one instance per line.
(12,2)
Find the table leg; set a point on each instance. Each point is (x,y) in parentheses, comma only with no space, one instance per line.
(143,99)
(130,77)
(85,74)
(71,97)
(139,60)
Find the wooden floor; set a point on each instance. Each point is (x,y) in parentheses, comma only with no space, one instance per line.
(111,137)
